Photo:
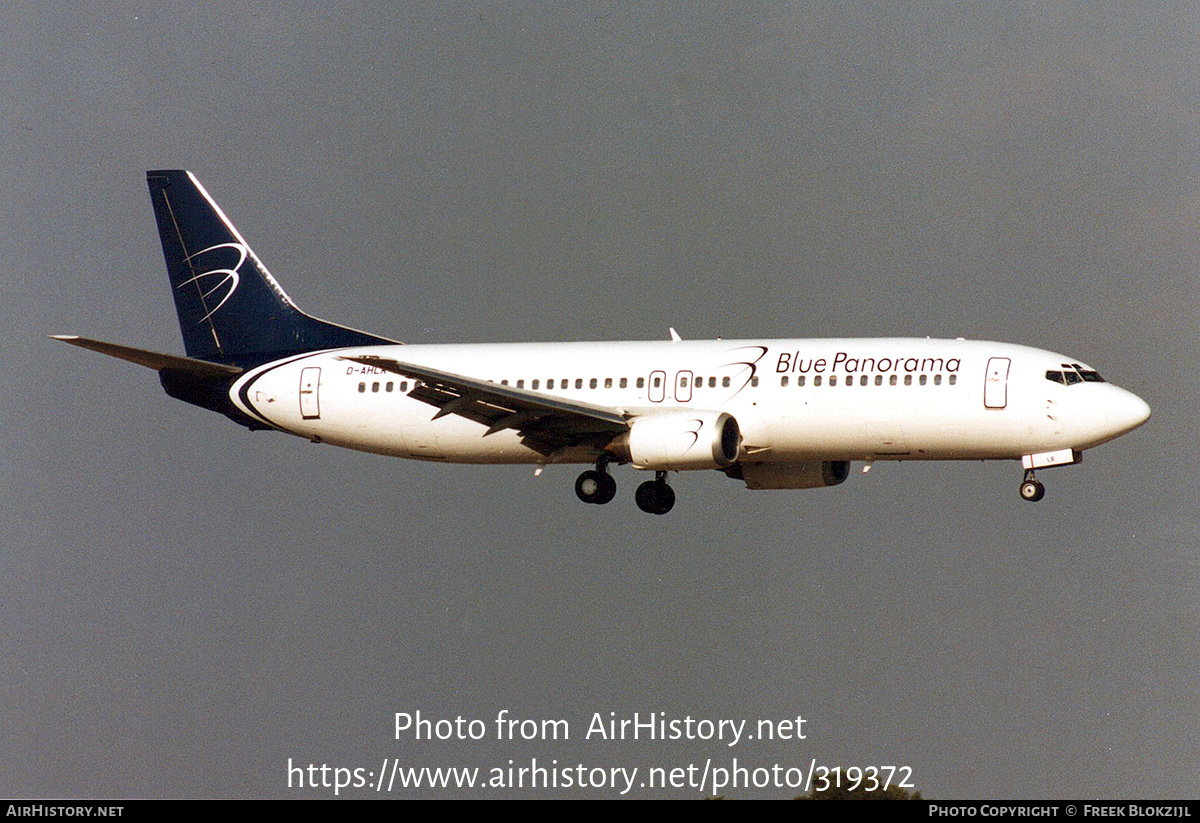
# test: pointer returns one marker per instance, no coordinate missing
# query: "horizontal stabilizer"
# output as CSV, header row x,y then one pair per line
x,y
151,359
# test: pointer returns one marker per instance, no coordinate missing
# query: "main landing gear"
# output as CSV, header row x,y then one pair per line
x,y
597,486
1032,489
655,496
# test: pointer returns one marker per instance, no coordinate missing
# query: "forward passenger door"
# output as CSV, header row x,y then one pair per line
x,y
995,387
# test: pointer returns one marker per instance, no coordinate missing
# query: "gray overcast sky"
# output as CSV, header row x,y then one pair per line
x,y
185,605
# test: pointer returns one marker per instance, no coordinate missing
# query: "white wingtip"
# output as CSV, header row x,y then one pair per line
x,y
675,338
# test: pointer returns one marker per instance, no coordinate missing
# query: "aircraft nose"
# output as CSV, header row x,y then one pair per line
x,y
1127,410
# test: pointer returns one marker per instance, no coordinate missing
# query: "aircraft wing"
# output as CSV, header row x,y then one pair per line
x,y
545,423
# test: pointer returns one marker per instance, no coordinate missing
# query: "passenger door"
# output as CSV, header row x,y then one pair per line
x,y
995,387
310,401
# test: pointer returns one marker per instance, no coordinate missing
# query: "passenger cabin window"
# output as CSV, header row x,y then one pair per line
x,y
724,382
783,380
753,381
641,382
624,382
579,382
800,380
592,383
608,382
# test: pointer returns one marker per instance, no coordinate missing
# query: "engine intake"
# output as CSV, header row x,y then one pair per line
x,y
680,440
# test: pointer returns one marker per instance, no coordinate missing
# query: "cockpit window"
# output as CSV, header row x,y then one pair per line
x,y
1073,373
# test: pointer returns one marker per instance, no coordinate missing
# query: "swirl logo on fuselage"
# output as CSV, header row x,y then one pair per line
x,y
221,281
749,365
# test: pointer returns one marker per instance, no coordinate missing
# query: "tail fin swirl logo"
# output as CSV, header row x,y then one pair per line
x,y
220,281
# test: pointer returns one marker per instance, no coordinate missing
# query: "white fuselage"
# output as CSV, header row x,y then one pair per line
x,y
821,399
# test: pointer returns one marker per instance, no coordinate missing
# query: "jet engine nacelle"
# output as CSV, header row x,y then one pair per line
x,y
807,474
681,440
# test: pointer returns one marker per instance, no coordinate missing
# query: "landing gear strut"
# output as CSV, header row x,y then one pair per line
x,y
655,496
1032,489
596,485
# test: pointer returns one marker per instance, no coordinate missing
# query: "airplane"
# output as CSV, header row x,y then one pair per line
x,y
772,413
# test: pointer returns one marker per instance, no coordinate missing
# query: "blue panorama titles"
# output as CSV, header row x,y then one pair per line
x,y
792,363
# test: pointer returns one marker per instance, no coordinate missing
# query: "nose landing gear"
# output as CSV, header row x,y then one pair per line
x,y
1031,488
655,496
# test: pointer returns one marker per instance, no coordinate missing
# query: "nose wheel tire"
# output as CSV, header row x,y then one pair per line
x,y
595,487
655,497
1032,490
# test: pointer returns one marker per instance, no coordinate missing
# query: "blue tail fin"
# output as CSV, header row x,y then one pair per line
x,y
230,308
